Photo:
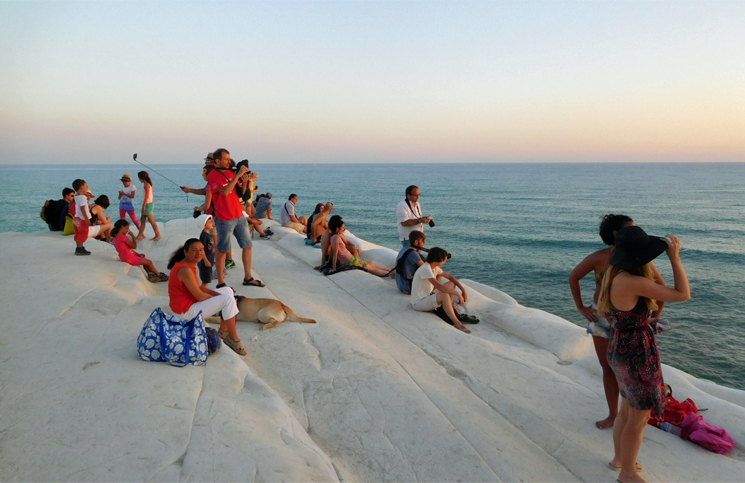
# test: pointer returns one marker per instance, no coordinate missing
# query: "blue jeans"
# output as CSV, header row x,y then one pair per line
x,y
237,227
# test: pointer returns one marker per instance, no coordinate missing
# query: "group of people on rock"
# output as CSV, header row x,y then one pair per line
x,y
86,218
627,302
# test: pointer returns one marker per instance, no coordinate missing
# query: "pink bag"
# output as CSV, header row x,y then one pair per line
x,y
707,435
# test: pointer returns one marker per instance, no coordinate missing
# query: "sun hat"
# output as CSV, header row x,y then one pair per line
x,y
202,220
634,248
89,193
126,178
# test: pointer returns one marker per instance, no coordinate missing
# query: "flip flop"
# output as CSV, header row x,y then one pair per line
x,y
253,282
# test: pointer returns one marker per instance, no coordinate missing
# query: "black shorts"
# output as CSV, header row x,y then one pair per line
x,y
205,273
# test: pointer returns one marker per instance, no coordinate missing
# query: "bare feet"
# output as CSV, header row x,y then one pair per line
x,y
155,239
605,423
140,237
463,328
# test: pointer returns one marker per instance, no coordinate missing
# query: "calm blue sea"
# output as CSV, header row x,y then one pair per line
x,y
518,227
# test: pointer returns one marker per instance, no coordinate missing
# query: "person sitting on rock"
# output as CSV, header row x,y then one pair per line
x,y
317,224
428,294
340,253
187,298
264,206
288,217
409,260
250,213
100,220
326,245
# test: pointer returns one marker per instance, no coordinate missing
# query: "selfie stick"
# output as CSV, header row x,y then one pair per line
x,y
134,157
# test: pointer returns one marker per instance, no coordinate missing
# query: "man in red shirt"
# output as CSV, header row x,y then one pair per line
x,y
229,217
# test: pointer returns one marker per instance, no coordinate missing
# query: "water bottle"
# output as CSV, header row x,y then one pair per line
x,y
671,428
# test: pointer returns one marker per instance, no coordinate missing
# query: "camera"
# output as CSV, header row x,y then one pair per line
x,y
242,191
238,166
431,223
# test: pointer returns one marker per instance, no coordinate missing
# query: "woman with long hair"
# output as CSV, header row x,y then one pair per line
x,y
597,326
628,293
188,298
99,218
340,253
148,206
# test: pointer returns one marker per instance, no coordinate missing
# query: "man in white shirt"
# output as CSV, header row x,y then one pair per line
x,y
409,215
427,293
288,217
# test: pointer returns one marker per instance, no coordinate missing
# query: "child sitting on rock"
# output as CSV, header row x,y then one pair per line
x,y
125,247
429,294
206,224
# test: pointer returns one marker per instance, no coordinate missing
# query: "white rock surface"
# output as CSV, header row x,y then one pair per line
x,y
375,391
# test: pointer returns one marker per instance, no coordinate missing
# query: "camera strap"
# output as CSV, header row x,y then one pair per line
x,y
418,215
220,170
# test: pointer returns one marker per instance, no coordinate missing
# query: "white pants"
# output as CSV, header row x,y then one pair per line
x,y
224,302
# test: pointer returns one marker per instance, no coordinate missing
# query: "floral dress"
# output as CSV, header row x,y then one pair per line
x,y
634,358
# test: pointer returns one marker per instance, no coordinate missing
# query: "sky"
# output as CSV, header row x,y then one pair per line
x,y
366,82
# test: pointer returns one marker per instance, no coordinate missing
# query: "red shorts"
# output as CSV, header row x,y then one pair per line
x,y
81,229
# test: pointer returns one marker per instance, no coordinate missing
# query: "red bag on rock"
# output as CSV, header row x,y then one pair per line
x,y
675,412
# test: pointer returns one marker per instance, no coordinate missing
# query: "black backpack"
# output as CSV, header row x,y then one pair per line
x,y
53,212
401,263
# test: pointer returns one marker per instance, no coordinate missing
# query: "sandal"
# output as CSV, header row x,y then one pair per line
x,y
234,344
163,277
253,282
468,319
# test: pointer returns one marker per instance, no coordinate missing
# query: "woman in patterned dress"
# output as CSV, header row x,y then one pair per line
x,y
628,293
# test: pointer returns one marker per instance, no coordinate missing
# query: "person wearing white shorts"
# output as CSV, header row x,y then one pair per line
x,y
427,293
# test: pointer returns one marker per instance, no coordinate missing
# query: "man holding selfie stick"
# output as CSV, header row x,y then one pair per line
x,y
409,215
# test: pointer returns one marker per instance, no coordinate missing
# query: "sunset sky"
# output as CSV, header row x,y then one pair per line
x,y
328,82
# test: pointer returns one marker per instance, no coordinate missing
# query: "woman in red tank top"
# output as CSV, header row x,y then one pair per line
x,y
188,298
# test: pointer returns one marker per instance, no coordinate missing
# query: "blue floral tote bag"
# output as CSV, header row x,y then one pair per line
x,y
175,341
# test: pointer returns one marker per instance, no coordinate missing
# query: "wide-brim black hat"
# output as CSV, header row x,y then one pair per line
x,y
634,248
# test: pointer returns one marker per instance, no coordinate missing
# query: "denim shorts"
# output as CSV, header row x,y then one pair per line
x,y
601,328
237,227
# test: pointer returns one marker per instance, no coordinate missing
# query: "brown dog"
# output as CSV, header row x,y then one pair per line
x,y
266,311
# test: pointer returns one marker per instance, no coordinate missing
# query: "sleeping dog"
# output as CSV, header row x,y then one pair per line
x,y
266,311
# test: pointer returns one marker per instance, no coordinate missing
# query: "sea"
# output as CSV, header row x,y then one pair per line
x,y
520,228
